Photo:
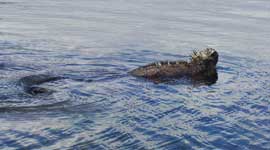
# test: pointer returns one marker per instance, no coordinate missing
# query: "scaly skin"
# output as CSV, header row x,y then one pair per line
x,y
202,66
162,69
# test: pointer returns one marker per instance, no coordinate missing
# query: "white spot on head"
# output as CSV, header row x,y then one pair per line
x,y
203,54
158,64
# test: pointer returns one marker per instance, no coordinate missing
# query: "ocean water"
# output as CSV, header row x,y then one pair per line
x,y
100,106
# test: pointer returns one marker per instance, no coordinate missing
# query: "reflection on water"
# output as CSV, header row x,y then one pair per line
x,y
98,105
118,111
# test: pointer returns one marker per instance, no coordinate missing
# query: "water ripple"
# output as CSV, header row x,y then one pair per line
x,y
99,106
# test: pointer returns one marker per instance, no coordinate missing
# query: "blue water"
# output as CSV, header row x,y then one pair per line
x,y
100,106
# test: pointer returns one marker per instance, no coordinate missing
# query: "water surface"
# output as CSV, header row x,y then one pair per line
x,y
100,106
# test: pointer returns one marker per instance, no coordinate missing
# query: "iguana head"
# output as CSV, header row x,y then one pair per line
x,y
207,57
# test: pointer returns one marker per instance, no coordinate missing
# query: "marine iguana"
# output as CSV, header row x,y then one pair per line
x,y
31,83
200,68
